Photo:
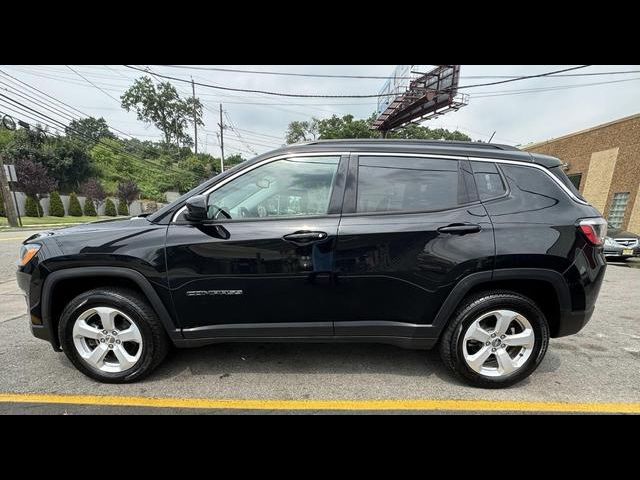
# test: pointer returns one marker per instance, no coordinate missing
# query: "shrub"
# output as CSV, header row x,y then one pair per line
x,y
2,213
32,207
75,210
110,208
56,208
122,208
90,208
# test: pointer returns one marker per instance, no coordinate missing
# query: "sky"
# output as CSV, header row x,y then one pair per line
x,y
257,123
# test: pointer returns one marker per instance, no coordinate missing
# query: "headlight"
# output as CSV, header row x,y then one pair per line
x,y
27,252
608,241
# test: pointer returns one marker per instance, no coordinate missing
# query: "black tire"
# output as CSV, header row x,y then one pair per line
x,y
155,341
472,308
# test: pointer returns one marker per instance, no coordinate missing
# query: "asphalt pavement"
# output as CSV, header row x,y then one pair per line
x,y
596,370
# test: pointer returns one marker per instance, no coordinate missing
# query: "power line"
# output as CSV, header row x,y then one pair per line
x,y
89,81
85,115
374,77
377,95
502,93
280,94
525,77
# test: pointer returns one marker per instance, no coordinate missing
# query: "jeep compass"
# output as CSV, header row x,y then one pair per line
x,y
482,250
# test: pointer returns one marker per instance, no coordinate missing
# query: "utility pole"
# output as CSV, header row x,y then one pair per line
x,y
195,118
8,199
221,125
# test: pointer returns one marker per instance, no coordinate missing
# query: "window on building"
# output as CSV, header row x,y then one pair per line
x,y
575,178
618,209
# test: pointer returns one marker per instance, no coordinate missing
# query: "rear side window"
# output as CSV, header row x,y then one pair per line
x,y
395,184
488,180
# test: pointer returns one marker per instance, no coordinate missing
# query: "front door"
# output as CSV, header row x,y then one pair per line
x,y
263,266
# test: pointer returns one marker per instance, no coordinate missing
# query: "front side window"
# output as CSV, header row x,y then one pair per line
x,y
394,184
283,188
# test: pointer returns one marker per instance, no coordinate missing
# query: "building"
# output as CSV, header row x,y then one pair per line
x,y
604,163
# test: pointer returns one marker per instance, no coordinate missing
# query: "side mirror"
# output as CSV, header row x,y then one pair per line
x,y
197,209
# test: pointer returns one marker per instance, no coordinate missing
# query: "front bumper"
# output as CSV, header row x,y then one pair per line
x,y
620,252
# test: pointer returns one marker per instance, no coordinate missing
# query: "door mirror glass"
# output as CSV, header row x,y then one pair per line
x,y
196,209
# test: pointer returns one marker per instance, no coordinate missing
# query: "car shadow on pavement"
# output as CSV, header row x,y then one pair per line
x,y
227,360
299,358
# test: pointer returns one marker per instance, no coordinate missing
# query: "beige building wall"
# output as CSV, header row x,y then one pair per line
x,y
599,176
634,218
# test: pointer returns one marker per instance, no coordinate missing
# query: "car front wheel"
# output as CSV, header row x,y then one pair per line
x,y
112,335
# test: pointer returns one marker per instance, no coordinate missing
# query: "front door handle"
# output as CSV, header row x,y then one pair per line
x,y
460,228
304,237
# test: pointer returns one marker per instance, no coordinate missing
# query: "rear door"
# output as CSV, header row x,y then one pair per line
x,y
412,227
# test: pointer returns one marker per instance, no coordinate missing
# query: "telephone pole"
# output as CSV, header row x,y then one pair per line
x,y
195,118
221,125
6,196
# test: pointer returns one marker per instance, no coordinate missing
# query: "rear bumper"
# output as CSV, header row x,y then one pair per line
x,y
573,322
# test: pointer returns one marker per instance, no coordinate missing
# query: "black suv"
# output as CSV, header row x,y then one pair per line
x,y
481,249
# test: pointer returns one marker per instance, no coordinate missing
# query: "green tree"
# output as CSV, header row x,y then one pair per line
x,y
75,209
417,132
88,130
347,127
68,161
161,106
90,208
302,131
56,208
110,208
32,207
123,209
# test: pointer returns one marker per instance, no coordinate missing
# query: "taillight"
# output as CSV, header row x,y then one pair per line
x,y
594,229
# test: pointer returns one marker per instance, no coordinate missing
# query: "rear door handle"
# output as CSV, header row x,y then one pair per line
x,y
460,228
304,238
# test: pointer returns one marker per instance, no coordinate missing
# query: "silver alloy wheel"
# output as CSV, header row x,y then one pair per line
x,y
107,339
498,343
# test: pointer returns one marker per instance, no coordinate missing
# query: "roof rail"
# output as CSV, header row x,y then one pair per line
x,y
453,143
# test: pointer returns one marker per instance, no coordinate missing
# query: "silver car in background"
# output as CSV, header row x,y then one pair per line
x,y
620,244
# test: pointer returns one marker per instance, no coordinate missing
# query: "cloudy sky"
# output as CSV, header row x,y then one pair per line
x,y
519,112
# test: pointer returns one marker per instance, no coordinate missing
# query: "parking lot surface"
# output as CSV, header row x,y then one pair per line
x,y
597,370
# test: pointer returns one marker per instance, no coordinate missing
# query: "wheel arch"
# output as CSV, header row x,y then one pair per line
x,y
547,288
81,279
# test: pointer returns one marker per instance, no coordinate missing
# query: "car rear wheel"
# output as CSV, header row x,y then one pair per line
x,y
495,339
112,335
